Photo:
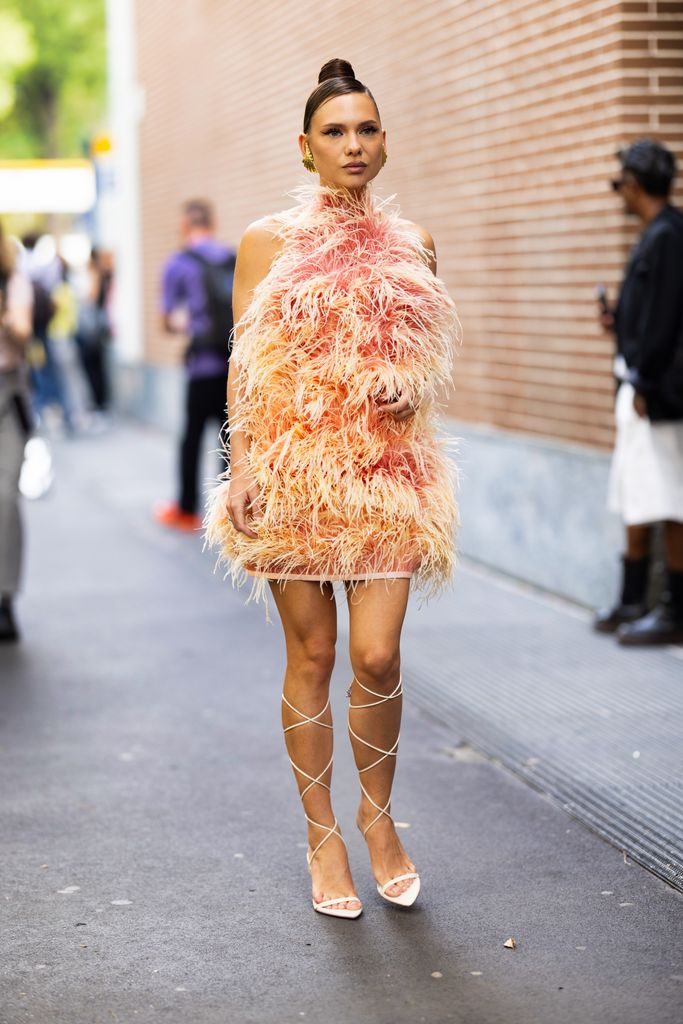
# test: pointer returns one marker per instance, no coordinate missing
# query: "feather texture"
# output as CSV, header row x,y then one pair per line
x,y
349,314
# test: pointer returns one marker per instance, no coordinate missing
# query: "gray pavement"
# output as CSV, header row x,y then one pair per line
x,y
596,725
152,843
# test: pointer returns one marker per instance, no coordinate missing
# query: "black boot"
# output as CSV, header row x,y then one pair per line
x,y
632,603
664,624
8,625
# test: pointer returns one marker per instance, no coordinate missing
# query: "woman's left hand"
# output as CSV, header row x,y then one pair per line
x,y
401,408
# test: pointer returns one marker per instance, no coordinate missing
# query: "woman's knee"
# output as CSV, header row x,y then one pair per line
x,y
314,654
377,662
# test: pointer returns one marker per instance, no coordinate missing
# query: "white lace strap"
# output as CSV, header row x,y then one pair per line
x,y
338,899
307,719
396,692
314,781
384,754
317,780
330,830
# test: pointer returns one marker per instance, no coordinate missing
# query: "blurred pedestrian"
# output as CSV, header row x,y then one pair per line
x,y
93,331
646,479
61,332
15,333
46,380
344,337
196,300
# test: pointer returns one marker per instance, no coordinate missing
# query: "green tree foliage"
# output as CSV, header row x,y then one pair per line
x,y
52,76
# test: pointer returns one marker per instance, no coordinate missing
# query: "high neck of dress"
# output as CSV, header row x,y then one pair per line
x,y
348,202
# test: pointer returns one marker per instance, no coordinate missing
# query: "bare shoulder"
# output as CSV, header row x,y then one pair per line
x,y
261,235
425,238
258,248
266,231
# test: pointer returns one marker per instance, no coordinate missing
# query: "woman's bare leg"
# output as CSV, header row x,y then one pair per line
x,y
376,613
309,620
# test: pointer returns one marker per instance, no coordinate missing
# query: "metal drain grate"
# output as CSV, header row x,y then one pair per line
x,y
595,726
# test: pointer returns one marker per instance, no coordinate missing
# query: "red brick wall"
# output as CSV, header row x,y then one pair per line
x,y
502,120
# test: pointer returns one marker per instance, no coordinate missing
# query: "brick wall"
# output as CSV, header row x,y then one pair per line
x,y
502,119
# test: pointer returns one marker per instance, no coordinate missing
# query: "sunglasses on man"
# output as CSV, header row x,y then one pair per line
x,y
618,183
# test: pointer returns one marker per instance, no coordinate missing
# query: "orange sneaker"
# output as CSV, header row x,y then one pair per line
x,y
172,515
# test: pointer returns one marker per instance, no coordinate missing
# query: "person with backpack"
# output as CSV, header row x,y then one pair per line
x,y
196,299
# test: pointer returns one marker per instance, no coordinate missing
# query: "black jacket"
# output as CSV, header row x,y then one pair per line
x,y
649,315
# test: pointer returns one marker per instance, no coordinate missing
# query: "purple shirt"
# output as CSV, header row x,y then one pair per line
x,y
183,286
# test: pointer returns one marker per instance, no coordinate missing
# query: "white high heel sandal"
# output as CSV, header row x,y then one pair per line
x,y
329,907
409,895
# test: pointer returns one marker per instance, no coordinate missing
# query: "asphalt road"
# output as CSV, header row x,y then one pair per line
x,y
152,842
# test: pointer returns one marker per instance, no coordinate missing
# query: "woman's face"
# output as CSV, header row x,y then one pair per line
x,y
346,140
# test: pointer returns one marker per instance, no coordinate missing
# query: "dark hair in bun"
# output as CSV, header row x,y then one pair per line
x,y
336,78
336,68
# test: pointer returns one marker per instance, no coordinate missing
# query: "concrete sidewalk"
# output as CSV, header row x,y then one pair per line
x,y
153,844
597,726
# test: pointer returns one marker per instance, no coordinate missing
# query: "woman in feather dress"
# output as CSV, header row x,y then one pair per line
x,y
343,339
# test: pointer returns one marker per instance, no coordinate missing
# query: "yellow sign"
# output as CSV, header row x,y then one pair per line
x,y
100,144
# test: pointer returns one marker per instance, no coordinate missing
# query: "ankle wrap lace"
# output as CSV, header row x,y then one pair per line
x,y
392,752
330,830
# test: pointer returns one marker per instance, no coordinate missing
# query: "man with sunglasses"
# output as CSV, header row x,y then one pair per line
x,y
646,477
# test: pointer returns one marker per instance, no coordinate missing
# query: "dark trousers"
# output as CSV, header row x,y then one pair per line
x,y
94,362
48,381
205,400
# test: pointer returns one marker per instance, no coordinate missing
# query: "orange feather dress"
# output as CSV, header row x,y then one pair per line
x,y
348,315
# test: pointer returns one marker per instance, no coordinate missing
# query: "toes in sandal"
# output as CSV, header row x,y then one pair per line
x,y
406,898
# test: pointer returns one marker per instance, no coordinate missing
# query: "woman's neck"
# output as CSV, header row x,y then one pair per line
x,y
342,197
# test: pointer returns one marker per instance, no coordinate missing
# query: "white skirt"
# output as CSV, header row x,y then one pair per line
x,y
646,475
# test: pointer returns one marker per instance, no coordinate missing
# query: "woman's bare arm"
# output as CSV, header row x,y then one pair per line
x,y
257,250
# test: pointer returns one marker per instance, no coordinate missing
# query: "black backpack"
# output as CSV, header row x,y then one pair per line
x,y
217,278
44,308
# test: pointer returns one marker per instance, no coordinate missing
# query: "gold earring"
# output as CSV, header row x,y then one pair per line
x,y
307,159
384,156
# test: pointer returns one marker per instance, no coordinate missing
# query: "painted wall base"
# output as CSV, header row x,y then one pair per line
x,y
536,509
154,394
532,508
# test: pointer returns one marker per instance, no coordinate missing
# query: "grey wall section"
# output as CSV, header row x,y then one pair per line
x,y
153,394
532,508
536,509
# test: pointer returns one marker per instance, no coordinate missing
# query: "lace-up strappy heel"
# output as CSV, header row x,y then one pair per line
x,y
329,907
408,897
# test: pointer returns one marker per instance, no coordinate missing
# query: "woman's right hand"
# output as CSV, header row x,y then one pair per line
x,y
243,498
